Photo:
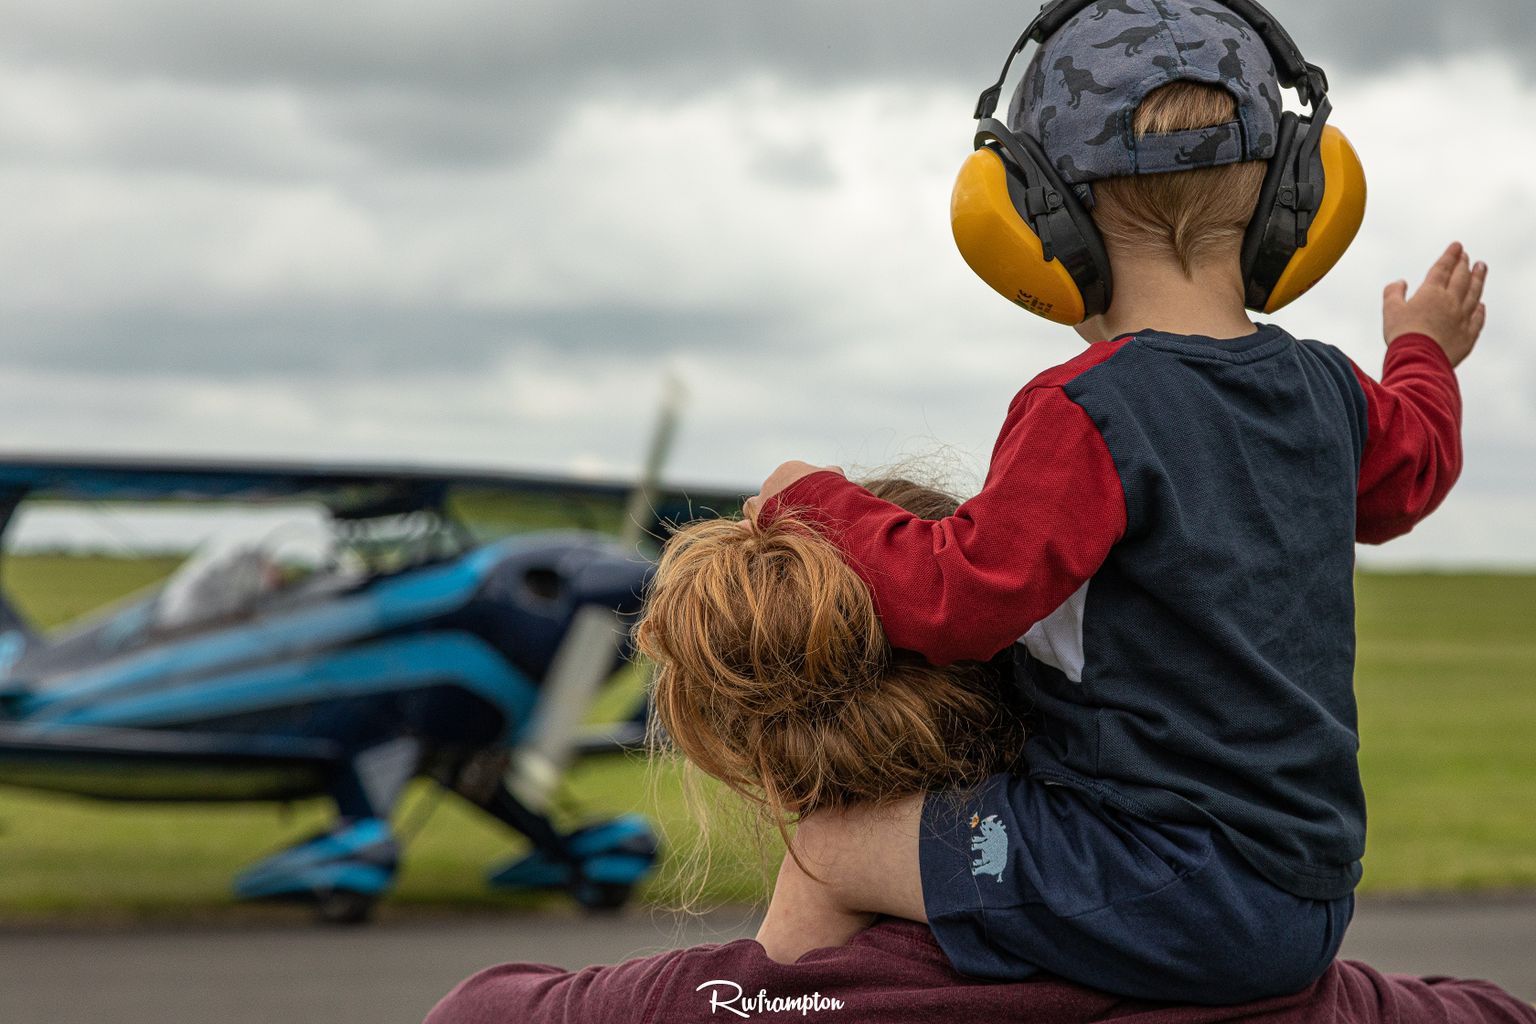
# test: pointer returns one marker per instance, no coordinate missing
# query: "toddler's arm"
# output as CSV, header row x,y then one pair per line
x,y
967,586
1412,451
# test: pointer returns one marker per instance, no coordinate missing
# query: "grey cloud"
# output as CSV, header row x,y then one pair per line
x,y
295,338
473,45
442,130
467,82
1502,466
202,146
805,165
332,133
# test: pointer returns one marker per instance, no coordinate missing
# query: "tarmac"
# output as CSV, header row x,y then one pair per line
x,y
396,969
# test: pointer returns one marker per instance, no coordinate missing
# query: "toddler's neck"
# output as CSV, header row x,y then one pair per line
x,y
1156,294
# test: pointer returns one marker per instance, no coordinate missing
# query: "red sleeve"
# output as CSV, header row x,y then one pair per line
x,y
1413,439
968,586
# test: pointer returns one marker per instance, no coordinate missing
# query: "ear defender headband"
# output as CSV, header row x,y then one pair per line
x,y
1023,229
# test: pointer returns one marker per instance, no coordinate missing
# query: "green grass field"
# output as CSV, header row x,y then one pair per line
x,y
1447,685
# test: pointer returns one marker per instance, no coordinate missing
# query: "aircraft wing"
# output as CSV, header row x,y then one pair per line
x,y
356,491
144,764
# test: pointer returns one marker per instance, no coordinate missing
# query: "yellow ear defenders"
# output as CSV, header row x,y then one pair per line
x,y
1025,232
1309,210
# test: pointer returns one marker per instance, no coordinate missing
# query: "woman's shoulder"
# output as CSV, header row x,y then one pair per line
x,y
895,971
856,982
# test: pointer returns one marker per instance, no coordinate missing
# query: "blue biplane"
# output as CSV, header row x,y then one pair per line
x,y
410,648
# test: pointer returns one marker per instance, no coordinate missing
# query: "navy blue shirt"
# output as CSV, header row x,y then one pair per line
x,y
1219,681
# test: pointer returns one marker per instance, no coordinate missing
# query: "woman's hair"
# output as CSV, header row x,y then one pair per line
x,y
1192,215
774,676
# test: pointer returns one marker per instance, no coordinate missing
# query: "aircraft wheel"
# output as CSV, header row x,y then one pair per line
x,y
603,896
345,907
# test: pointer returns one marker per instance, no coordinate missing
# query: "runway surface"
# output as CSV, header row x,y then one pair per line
x,y
396,969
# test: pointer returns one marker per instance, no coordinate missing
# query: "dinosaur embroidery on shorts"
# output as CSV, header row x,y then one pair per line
x,y
992,845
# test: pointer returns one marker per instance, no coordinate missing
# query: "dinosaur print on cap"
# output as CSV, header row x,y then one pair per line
x,y
1087,80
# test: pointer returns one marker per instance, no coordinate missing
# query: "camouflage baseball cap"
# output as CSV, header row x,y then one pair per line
x,y
1080,92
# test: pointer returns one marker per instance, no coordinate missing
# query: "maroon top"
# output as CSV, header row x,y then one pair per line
x,y
893,973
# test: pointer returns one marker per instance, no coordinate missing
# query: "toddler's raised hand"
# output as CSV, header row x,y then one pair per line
x,y
1448,306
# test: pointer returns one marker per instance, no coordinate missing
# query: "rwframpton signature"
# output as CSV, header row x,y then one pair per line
x,y
743,1005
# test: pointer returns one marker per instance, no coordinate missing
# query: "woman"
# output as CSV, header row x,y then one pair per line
x,y
774,676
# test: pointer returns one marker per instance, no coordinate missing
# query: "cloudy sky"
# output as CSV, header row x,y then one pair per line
x,y
485,232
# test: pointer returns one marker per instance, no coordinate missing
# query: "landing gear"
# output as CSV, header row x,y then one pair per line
x,y
599,865
600,898
345,907
343,871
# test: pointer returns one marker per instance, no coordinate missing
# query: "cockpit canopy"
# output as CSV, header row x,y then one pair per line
x,y
228,579
304,557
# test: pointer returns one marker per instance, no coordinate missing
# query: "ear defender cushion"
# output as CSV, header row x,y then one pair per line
x,y
988,214
1335,224
1277,268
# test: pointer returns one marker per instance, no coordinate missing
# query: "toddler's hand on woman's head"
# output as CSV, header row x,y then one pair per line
x,y
1448,306
787,474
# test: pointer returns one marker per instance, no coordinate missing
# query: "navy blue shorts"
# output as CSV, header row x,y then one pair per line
x,y
1022,876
